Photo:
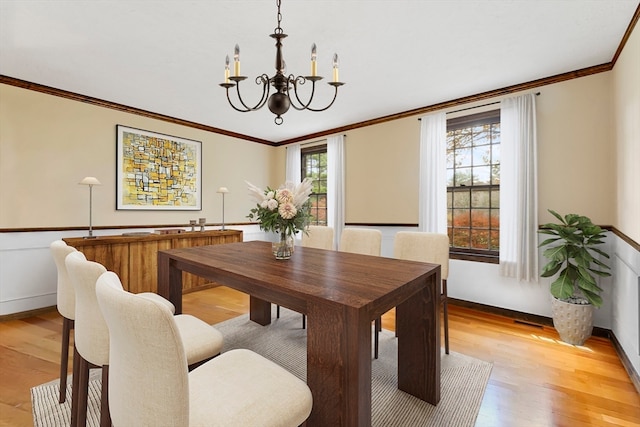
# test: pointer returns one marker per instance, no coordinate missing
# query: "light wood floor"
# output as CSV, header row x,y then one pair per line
x,y
536,379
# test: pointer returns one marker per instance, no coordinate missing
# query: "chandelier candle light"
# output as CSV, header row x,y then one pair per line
x,y
90,181
284,211
223,191
279,101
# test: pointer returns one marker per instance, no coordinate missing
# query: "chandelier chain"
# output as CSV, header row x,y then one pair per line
x,y
278,30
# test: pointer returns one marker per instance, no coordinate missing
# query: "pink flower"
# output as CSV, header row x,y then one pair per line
x,y
287,210
284,195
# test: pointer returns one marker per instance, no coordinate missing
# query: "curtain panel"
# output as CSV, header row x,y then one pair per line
x,y
518,189
335,186
432,198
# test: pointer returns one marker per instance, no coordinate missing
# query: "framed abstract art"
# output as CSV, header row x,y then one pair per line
x,y
157,171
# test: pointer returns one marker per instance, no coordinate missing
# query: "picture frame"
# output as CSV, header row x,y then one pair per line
x,y
157,171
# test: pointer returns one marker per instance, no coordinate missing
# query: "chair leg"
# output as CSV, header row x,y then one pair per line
x,y
67,325
277,311
304,321
105,414
75,386
445,310
83,392
377,326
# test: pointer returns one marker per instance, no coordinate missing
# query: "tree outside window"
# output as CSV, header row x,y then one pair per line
x,y
314,166
473,183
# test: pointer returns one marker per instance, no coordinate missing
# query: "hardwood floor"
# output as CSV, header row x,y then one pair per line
x,y
536,379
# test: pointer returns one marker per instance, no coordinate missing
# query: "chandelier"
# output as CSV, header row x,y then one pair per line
x,y
283,97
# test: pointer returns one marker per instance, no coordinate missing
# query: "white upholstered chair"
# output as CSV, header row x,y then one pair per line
x,y
318,236
150,384
202,342
363,241
434,249
66,304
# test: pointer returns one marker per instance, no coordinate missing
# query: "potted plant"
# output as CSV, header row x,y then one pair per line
x,y
572,254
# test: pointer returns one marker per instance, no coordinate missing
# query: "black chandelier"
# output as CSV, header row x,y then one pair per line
x,y
279,101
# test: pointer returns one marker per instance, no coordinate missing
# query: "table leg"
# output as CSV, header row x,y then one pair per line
x,y
259,310
169,281
418,327
339,366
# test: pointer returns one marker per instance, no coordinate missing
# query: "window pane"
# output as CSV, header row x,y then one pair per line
x,y
482,155
480,239
480,199
495,198
480,218
450,182
495,218
463,157
494,243
461,218
462,177
481,135
461,199
461,237
482,175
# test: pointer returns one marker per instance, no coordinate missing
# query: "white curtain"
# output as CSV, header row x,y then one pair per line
x,y
518,189
432,198
293,167
335,185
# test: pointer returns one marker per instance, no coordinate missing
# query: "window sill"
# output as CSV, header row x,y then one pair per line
x,y
465,256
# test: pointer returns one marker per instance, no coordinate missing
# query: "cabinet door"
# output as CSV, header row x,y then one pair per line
x,y
143,262
114,257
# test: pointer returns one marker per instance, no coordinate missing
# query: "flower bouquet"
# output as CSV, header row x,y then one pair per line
x,y
285,211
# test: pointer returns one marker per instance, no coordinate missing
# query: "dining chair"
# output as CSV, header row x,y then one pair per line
x,y
151,386
319,237
202,342
363,241
432,248
66,304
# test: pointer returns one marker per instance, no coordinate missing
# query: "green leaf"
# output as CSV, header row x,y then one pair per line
x,y
593,298
562,287
550,269
548,241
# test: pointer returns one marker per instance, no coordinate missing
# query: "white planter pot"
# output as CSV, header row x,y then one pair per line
x,y
574,322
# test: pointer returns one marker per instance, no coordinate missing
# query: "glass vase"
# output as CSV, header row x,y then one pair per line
x,y
283,249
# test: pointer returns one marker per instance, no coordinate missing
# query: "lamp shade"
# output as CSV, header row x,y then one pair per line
x,y
90,180
223,190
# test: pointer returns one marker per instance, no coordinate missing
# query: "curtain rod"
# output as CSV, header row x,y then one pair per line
x,y
477,106
317,141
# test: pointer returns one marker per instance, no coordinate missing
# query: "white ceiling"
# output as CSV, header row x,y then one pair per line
x,y
167,56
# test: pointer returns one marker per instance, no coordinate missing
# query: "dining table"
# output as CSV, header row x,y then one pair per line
x,y
341,294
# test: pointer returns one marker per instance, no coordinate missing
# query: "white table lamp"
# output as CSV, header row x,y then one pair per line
x,y
90,181
223,191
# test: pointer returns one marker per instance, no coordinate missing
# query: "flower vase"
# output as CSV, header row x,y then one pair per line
x,y
283,248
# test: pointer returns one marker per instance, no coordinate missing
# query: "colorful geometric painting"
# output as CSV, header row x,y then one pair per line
x,y
157,171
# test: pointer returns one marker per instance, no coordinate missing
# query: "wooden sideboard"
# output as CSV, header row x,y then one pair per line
x,y
134,257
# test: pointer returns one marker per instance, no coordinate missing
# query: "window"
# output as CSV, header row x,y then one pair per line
x,y
473,183
314,166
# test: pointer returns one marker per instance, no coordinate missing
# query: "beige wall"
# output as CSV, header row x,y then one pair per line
x,y
626,89
48,144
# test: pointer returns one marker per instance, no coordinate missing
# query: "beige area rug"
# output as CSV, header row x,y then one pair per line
x,y
463,380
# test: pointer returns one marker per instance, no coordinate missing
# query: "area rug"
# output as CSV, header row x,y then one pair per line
x,y
463,378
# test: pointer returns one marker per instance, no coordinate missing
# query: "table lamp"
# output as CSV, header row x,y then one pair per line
x,y
90,181
223,191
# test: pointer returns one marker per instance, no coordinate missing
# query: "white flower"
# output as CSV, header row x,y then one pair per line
x,y
272,204
287,210
271,194
264,204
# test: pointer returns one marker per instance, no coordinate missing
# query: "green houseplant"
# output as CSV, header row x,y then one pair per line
x,y
571,254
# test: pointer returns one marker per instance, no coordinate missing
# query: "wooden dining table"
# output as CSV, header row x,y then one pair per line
x,y
341,294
